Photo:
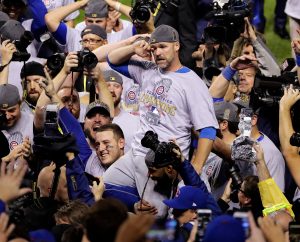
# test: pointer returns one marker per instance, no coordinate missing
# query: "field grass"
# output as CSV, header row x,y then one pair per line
x,y
280,48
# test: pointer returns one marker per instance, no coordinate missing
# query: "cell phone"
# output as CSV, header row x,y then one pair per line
x,y
204,216
294,232
91,178
243,218
163,229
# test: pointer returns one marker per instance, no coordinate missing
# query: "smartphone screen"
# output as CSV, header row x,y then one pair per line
x,y
204,216
163,230
294,232
243,218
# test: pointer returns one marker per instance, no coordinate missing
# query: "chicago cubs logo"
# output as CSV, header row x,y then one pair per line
x,y
160,90
163,86
131,95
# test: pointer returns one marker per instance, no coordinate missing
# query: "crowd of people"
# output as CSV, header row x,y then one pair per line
x,y
177,124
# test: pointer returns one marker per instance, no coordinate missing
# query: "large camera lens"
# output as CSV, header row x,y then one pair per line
x,y
142,14
150,140
89,60
56,61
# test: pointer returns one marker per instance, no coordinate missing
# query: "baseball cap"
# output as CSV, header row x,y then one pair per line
x,y
32,68
98,105
96,9
224,228
164,33
41,235
94,29
9,96
226,111
188,197
112,76
3,18
12,30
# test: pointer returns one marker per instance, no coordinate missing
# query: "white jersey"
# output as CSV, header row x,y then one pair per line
x,y
73,40
22,129
292,8
53,4
129,124
93,165
171,103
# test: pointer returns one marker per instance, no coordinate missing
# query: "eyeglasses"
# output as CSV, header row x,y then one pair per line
x,y
90,41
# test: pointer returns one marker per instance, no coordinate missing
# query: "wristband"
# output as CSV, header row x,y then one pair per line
x,y
298,60
228,73
117,6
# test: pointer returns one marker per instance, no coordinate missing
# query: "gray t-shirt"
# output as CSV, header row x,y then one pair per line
x,y
93,165
23,128
130,124
171,103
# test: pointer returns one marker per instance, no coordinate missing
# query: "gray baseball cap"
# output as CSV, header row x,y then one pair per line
x,y
9,96
94,29
164,33
101,107
96,9
12,30
112,76
226,111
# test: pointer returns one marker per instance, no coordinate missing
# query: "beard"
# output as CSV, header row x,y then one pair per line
x,y
164,186
117,102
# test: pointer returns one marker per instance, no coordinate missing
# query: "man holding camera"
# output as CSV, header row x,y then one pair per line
x,y
286,131
167,106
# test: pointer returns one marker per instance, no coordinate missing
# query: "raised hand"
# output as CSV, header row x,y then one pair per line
x,y
10,181
7,49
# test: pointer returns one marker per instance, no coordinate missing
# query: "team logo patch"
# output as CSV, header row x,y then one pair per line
x,y
15,139
131,95
160,90
163,86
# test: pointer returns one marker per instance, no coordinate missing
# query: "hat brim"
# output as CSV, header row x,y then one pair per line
x,y
175,203
100,110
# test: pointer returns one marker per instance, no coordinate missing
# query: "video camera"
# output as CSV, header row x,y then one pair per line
x,y
86,59
237,180
227,21
164,154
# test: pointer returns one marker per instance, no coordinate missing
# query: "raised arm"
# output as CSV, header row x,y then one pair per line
x,y
286,130
219,86
122,8
71,61
54,18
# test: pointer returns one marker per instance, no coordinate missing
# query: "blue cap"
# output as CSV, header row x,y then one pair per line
x,y
188,197
41,235
224,228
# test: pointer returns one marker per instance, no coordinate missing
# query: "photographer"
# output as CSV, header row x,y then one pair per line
x,y
168,172
286,131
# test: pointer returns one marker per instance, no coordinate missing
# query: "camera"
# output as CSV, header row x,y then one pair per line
x,y
204,216
163,229
56,62
244,220
51,121
164,154
295,139
231,17
3,120
142,9
86,59
21,45
237,180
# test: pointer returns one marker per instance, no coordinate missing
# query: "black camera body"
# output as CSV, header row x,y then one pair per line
x,y
237,180
227,21
86,59
164,154
21,45
142,9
